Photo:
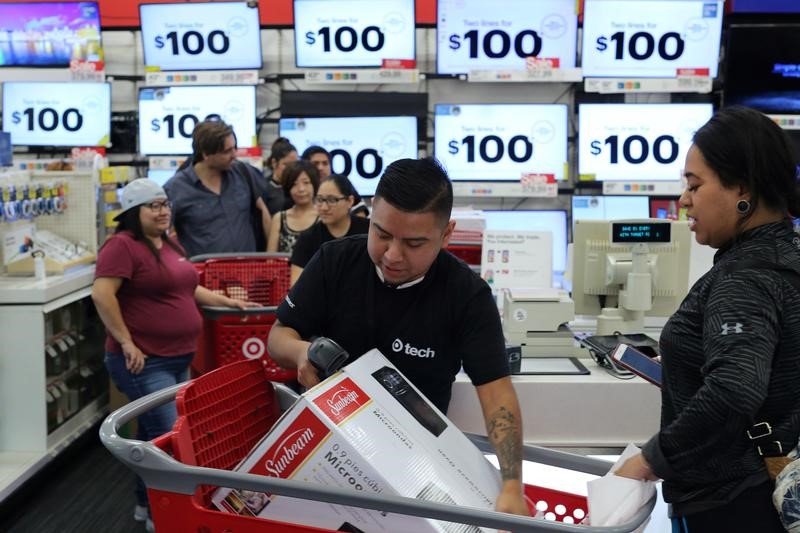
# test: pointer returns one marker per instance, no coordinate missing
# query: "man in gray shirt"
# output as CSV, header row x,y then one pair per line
x,y
212,199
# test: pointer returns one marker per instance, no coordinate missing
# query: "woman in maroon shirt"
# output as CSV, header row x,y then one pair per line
x,y
146,293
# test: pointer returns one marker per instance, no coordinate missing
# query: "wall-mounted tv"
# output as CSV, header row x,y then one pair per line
x,y
635,142
651,39
201,36
168,115
361,147
57,113
49,34
353,33
765,76
501,142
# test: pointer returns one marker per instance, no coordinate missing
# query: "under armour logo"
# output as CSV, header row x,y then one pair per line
x,y
735,328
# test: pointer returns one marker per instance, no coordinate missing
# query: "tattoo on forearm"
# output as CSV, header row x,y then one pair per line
x,y
503,431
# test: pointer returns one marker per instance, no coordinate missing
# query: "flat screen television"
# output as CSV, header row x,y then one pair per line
x,y
609,208
651,39
168,115
499,35
361,147
554,221
767,76
765,6
501,142
49,34
353,33
57,113
636,142
201,36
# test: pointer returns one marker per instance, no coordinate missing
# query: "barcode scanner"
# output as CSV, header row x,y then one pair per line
x,y
326,356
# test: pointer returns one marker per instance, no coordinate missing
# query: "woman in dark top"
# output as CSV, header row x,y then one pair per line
x,y
731,352
300,183
334,200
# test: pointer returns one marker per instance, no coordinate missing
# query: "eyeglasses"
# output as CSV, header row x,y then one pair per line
x,y
158,206
329,200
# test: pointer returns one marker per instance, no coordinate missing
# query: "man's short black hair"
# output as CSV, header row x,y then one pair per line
x,y
417,186
313,150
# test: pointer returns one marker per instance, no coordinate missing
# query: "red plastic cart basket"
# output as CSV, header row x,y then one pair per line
x,y
469,253
231,335
225,412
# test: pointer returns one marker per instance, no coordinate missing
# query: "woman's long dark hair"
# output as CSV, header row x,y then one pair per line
x,y
129,221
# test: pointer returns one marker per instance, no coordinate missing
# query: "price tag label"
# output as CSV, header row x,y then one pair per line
x,y
657,38
353,33
361,147
501,142
630,142
539,185
56,113
168,115
201,36
481,35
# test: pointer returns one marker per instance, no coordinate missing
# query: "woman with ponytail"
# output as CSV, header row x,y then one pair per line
x,y
731,353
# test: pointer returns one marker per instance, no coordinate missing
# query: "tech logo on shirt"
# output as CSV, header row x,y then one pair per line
x,y
424,353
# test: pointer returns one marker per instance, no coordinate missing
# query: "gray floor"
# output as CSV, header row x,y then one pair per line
x,y
85,491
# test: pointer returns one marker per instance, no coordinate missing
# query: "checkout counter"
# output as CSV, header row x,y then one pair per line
x,y
597,409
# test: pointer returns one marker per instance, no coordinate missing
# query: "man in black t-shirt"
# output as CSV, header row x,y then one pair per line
x,y
398,290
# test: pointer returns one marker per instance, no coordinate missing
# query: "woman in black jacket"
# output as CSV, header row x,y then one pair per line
x,y
731,353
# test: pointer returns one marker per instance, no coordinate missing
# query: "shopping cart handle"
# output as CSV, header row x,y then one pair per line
x,y
227,255
213,311
550,457
160,471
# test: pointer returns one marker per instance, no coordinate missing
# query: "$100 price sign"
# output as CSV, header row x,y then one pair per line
x,y
57,114
201,36
353,33
501,142
635,142
476,34
651,39
168,115
361,147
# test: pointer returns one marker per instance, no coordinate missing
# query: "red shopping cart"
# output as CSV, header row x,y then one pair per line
x,y
232,334
222,415
469,253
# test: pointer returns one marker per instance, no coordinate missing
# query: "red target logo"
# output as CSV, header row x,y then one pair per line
x,y
253,348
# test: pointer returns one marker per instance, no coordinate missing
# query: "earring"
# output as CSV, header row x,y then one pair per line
x,y
743,207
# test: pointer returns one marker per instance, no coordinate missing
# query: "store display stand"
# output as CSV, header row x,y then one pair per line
x,y
53,387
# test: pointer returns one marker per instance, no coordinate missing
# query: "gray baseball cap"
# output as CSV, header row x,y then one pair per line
x,y
140,191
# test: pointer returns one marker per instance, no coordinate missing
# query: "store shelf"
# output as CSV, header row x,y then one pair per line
x,y
27,290
32,314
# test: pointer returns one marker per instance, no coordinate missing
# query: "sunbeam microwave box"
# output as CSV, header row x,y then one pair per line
x,y
366,428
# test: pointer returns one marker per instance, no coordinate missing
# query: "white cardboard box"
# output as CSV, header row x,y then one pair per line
x,y
366,428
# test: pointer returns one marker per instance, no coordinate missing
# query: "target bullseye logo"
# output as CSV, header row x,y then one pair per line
x,y
253,348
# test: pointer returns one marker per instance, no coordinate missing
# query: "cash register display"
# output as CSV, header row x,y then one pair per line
x,y
644,232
